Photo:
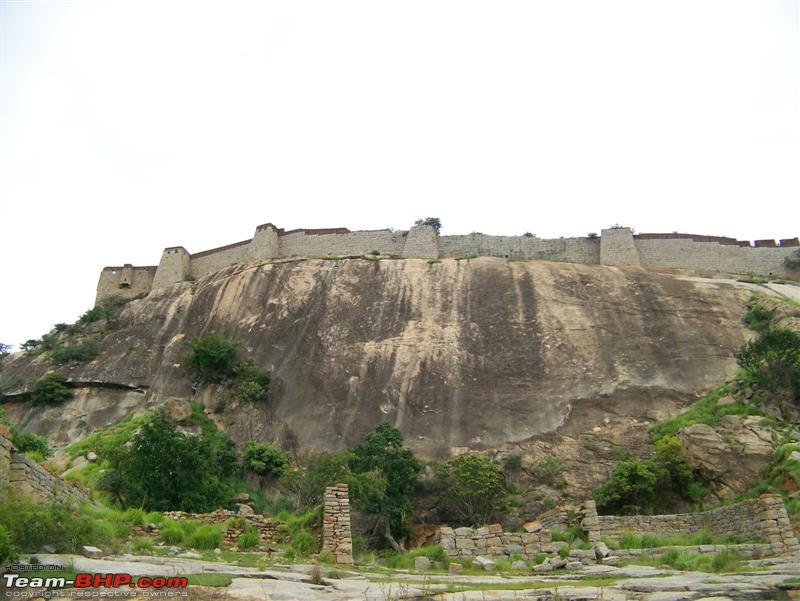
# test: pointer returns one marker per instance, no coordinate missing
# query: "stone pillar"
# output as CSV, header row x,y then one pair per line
x,y
336,537
174,267
589,521
421,243
775,523
617,247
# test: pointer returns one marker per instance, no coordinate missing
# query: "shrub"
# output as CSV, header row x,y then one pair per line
x,y
773,360
76,353
320,470
264,459
212,358
473,486
8,552
547,468
513,463
172,534
249,539
51,388
252,384
757,316
792,262
632,488
27,442
207,536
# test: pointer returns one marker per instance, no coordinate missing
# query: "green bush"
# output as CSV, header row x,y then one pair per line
x,y
547,468
252,383
757,316
513,463
434,222
207,536
51,388
28,442
75,353
264,459
8,551
172,534
249,539
473,486
773,361
212,358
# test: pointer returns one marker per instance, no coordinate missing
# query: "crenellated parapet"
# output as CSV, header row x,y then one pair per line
x,y
616,246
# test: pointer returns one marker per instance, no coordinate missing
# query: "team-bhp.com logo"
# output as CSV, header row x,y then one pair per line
x,y
87,585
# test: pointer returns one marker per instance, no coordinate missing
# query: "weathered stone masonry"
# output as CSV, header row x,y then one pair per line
x,y
336,537
615,246
24,476
763,519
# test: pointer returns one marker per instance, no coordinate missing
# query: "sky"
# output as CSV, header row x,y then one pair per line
x,y
129,126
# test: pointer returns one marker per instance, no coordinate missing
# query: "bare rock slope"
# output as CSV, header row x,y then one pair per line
x,y
480,353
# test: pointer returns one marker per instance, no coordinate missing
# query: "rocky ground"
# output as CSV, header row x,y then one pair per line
x,y
775,578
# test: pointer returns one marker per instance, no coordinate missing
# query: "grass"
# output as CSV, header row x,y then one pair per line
x,y
214,580
703,411
724,561
631,540
405,561
104,441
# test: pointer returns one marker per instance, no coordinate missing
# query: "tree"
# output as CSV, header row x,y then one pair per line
x,y
161,469
320,470
383,454
212,358
264,459
632,488
434,222
473,486
5,351
773,360
51,388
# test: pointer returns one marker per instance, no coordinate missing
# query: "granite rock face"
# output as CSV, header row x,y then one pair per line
x,y
458,354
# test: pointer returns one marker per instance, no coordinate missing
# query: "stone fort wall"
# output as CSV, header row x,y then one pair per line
x,y
25,477
615,246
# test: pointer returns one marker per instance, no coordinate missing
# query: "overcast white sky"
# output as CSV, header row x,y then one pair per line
x,y
129,126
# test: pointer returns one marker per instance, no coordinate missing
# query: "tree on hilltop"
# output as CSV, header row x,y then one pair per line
x,y
434,222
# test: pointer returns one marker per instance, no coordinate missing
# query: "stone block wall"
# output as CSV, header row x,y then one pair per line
x,y
24,476
764,519
267,529
616,246
491,541
126,281
336,537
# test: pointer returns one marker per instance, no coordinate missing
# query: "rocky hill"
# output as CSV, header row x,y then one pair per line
x,y
480,353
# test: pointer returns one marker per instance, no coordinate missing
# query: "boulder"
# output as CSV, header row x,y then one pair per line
x,y
732,454
574,565
91,552
519,565
191,554
601,550
422,564
543,567
177,409
91,456
241,497
243,509
533,526
454,568
484,562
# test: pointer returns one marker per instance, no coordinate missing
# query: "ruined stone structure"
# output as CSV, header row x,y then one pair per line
x,y
24,476
762,521
615,246
336,537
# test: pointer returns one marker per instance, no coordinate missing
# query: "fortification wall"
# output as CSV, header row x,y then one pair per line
x,y
615,246
571,250
210,261
27,478
302,244
126,281
686,253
